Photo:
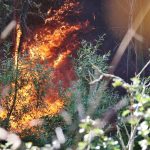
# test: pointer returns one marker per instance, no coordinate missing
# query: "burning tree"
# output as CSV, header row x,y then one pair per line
x,y
40,61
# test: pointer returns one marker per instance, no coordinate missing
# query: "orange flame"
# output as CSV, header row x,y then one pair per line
x,y
18,36
53,45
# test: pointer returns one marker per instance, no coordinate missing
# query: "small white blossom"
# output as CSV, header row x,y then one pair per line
x,y
89,137
86,137
97,147
81,130
104,145
14,140
56,144
144,125
93,123
115,142
35,148
3,134
138,114
106,138
143,144
110,138
28,145
88,119
48,145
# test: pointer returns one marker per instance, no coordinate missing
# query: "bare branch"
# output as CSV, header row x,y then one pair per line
x,y
102,75
147,64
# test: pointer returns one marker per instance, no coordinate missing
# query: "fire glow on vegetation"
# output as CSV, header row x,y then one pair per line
x,y
18,36
49,45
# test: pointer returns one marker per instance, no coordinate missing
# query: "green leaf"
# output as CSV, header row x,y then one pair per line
x,y
28,145
136,81
125,113
82,145
117,83
133,120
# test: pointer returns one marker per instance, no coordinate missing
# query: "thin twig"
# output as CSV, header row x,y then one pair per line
x,y
121,139
132,137
126,129
104,75
146,86
147,64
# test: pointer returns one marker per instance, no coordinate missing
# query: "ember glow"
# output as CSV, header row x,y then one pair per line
x,y
48,45
18,36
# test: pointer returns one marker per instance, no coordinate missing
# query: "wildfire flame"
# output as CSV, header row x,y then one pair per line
x,y
49,45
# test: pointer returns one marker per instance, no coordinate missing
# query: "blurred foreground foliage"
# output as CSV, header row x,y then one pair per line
x,y
95,116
